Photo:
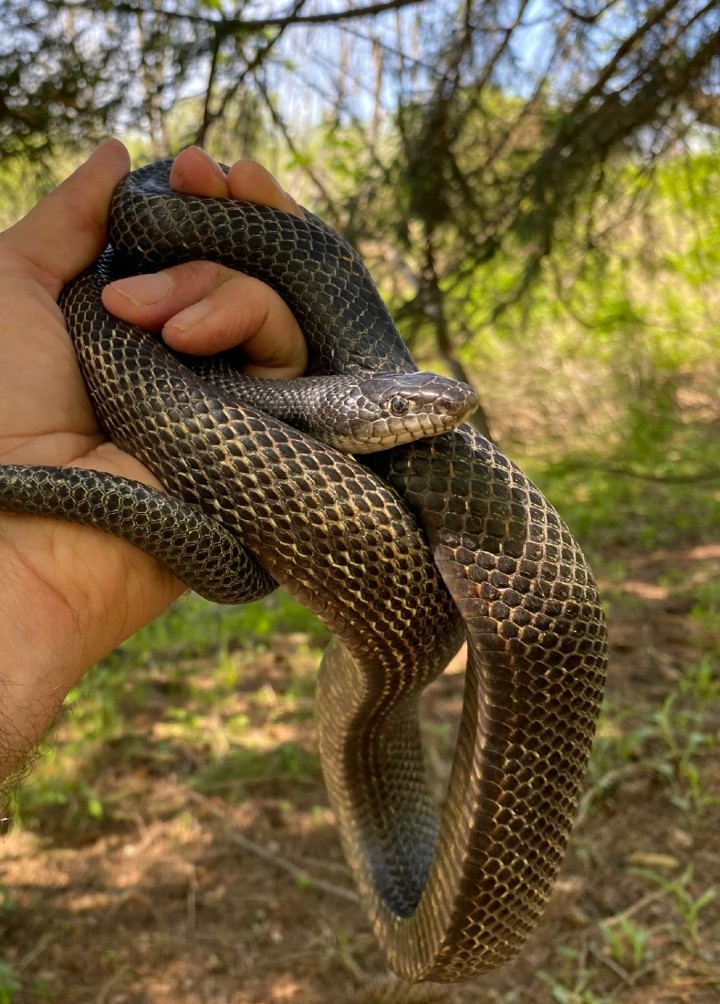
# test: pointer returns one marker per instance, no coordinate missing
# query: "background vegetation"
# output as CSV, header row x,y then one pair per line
x,y
536,188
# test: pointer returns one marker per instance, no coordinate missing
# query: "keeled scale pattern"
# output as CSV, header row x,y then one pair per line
x,y
205,556
452,894
535,678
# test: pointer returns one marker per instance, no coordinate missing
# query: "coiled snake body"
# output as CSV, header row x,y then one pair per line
x,y
452,893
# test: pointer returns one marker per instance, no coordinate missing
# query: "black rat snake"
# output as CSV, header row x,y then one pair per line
x,y
451,893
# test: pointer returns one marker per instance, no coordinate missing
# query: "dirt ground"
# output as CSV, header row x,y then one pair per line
x,y
176,894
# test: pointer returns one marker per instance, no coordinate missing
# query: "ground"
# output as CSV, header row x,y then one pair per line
x,y
177,845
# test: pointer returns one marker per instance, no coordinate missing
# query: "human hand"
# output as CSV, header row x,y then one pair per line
x,y
70,593
205,308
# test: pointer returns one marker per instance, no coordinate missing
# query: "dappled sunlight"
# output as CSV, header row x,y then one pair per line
x,y
205,870
535,187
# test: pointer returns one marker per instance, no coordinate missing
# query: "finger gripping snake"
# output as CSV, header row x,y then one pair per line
x,y
428,544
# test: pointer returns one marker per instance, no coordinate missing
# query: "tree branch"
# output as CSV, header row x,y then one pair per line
x,y
236,26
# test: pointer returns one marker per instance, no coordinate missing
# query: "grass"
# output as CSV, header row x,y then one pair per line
x,y
628,949
656,747
176,695
674,741
640,497
220,700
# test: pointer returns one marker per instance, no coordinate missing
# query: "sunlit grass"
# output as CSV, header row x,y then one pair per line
x,y
186,689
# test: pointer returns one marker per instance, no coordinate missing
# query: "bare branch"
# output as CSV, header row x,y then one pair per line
x,y
235,26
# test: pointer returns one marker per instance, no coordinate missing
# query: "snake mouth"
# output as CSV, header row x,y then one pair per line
x,y
460,401
431,402
432,394
393,409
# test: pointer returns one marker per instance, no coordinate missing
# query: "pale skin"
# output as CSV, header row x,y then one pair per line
x,y
71,594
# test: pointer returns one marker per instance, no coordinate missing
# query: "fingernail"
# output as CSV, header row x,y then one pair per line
x,y
214,181
203,153
191,316
297,208
143,290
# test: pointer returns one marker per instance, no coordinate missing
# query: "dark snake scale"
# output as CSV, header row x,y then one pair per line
x,y
402,557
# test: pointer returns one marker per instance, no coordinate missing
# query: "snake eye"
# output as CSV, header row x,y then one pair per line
x,y
399,405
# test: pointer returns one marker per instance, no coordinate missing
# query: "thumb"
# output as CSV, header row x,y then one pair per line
x,y
67,229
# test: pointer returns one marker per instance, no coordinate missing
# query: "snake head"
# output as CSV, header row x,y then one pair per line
x,y
390,409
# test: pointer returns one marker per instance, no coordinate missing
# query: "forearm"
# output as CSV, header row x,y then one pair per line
x,y
70,595
38,659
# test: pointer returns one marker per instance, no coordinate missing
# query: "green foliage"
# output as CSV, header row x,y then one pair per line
x,y
627,943
243,768
189,678
63,793
607,349
576,986
683,734
598,358
628,497
21,185
676,741
9,984
194,627
688,907
7,903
